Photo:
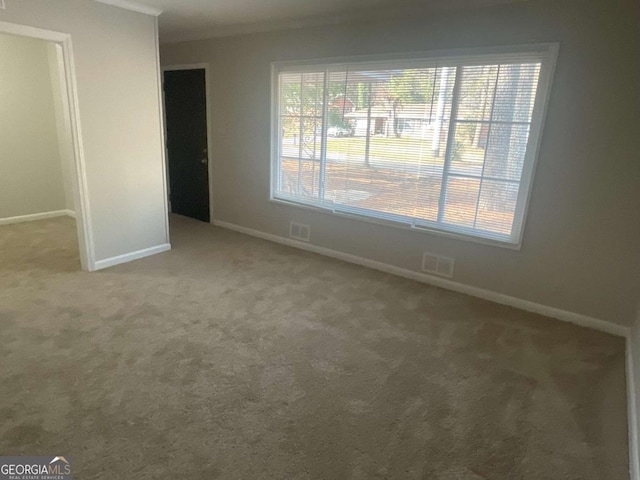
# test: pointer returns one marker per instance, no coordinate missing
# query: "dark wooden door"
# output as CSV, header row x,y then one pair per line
x,y
185,100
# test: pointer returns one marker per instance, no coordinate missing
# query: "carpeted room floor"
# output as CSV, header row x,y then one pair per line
x,y
234,358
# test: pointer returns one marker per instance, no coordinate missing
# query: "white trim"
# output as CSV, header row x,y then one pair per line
x,y
33,32
448,56
394,224
538,120
633,365
208,96
557,313
34,217
163,134
545,53
128,257
275,129
70,213
185,66
79,177
133,6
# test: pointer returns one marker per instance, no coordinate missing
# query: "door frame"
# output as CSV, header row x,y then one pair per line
x,y
86,245
207,87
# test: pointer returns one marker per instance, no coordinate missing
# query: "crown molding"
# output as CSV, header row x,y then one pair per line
x,y
133,6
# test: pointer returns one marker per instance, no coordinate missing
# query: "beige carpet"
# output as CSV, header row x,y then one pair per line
x,y
234,358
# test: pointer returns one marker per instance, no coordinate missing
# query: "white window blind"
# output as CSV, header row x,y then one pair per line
x,y
440,143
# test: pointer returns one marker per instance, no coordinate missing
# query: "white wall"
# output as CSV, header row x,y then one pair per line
x,y
583,230
31,178
115,52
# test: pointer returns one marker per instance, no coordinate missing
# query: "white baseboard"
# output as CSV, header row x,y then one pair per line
x,y
496,297
70,213
33,217
128,257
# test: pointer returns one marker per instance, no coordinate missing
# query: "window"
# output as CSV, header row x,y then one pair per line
x,y
444,143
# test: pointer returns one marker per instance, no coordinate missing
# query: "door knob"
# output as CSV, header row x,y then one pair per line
x,y
204,161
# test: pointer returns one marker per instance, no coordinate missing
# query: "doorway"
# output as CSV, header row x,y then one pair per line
x,y
43,159
187,133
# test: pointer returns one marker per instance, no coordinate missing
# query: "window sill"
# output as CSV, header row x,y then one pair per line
x,y
399,225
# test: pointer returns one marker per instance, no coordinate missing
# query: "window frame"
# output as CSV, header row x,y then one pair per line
x,y
547,54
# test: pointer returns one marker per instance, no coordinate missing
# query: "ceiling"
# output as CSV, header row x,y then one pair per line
x,y
198,19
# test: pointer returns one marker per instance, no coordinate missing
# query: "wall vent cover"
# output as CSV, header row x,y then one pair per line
x,y
437,264
300,231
